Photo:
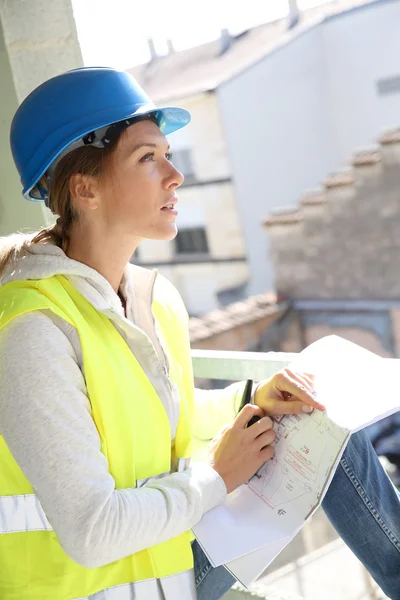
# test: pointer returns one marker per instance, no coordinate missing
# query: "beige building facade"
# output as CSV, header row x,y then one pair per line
x,y
207,261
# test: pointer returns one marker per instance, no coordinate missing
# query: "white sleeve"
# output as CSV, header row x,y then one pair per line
x,y
46,422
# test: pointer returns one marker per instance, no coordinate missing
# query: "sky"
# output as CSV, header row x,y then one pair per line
x,y
115,33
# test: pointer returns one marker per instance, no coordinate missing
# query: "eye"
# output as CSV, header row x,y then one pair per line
x,y
147,157
168,156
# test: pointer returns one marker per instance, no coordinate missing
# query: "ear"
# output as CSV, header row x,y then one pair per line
x,y
83,188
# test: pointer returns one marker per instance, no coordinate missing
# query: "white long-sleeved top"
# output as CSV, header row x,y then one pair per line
x,y
45,419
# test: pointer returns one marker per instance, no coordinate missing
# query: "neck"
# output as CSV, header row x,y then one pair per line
x,y
105,253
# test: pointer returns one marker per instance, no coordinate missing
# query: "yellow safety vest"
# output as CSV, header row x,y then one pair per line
x,y
135,437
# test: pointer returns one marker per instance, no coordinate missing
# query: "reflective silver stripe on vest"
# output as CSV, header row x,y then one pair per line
x,y
22,513
25,513
175,587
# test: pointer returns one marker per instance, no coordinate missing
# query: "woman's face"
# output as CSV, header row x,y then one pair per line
x,y
138,194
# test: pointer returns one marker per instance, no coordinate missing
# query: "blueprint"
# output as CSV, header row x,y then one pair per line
x,y
306,449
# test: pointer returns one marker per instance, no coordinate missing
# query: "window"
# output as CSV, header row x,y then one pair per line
x,y
390,85
182,160
191,241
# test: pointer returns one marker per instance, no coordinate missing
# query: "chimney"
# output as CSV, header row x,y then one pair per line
x,y
152,48
170,47
226,41
294,14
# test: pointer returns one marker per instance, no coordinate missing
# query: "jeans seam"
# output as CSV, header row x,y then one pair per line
x,y
365,498
203,574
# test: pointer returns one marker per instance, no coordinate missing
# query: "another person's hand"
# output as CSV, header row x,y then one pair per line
x,y
287,392
238,451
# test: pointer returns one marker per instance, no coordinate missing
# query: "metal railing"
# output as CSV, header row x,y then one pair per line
x,y
237,366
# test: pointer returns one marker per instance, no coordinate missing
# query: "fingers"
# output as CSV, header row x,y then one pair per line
x,y
301,378
266,454
260,427
290,407
296,385
248,412
304,379
265,439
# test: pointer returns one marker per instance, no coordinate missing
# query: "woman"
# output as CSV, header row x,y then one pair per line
x,y
97,406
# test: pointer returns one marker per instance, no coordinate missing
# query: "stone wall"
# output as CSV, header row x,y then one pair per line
x,y
343,241
337,255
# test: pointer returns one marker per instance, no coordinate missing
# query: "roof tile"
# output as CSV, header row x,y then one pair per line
x,y
238,313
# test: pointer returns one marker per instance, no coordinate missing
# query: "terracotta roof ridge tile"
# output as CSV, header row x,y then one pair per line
x,y
235,314
366,157
284,217
342,178
390,137
313,197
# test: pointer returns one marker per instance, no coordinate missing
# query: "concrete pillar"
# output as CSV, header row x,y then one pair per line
x,y
37,40
15,212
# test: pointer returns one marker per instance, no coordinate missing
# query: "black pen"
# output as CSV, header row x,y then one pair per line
x,y
247,400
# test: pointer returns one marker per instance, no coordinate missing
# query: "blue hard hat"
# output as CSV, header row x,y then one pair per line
x,y
74,109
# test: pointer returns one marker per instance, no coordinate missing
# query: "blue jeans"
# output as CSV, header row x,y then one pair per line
x,y
364,508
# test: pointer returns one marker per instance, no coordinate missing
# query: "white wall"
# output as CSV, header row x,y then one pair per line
x,y
361,48
300,112
276,122
213,206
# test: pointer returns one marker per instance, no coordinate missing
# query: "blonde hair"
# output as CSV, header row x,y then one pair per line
x,y
87,160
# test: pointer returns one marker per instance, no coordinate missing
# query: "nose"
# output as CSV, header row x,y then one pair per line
x,y
174,178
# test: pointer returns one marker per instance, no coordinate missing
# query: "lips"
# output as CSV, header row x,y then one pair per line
x,y
171,204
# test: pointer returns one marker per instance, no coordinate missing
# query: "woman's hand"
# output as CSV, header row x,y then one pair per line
x,y
238,451
287,393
